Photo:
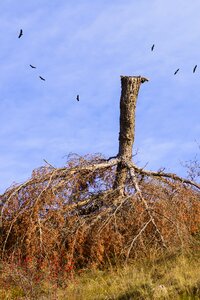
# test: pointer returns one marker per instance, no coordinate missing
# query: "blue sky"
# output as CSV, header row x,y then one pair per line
x,y
82,47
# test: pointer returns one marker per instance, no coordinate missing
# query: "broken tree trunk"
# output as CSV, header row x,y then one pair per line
x,y
130,88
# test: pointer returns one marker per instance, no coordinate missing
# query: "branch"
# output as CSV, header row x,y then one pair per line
x,y
162,174
138,191
49,164
55,174
135,238
63,172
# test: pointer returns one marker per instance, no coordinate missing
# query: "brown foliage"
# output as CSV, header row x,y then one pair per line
x,y
72,218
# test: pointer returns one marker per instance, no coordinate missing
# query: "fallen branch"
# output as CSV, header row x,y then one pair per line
x,y
138,191
162,174
59,173
135,238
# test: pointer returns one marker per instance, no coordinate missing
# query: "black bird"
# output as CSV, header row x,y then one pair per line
x,y
42,78
20,34
176,72
152,47
77,97
194,69
32,67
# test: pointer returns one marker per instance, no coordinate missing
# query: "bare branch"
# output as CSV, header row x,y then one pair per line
x,y
138,191
58,173
135,238
49,164
163,174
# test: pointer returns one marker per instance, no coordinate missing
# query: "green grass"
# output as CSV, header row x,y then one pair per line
x,y
169,278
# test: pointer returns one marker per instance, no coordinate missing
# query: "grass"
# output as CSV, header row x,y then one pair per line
x,y
167,278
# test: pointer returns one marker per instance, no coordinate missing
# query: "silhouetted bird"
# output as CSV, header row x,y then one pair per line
x,y
77,97
42,78
152,47
32,67
176,72
194,69
20,34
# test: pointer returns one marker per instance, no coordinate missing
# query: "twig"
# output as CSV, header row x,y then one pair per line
x,y
4,245
135,238
48,163
107,221
138,191
40,231
53,175
162,174
60,173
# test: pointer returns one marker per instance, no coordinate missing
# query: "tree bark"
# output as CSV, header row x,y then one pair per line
x,y
130,88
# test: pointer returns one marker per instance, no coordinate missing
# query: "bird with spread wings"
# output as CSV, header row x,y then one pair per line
x,y
20,34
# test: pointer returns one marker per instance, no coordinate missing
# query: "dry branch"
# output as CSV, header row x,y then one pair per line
x,y
59,173
149,211
136,237
162,174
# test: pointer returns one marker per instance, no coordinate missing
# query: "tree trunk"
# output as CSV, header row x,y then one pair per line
x,y
130,89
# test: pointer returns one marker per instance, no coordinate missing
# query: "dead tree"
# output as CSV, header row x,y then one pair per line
x,y
125,167
130,89
56,179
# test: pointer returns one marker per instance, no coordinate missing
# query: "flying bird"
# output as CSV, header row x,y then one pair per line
x,y
32,67
152,47
20,34
176,72
194,69
42,78
77,97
